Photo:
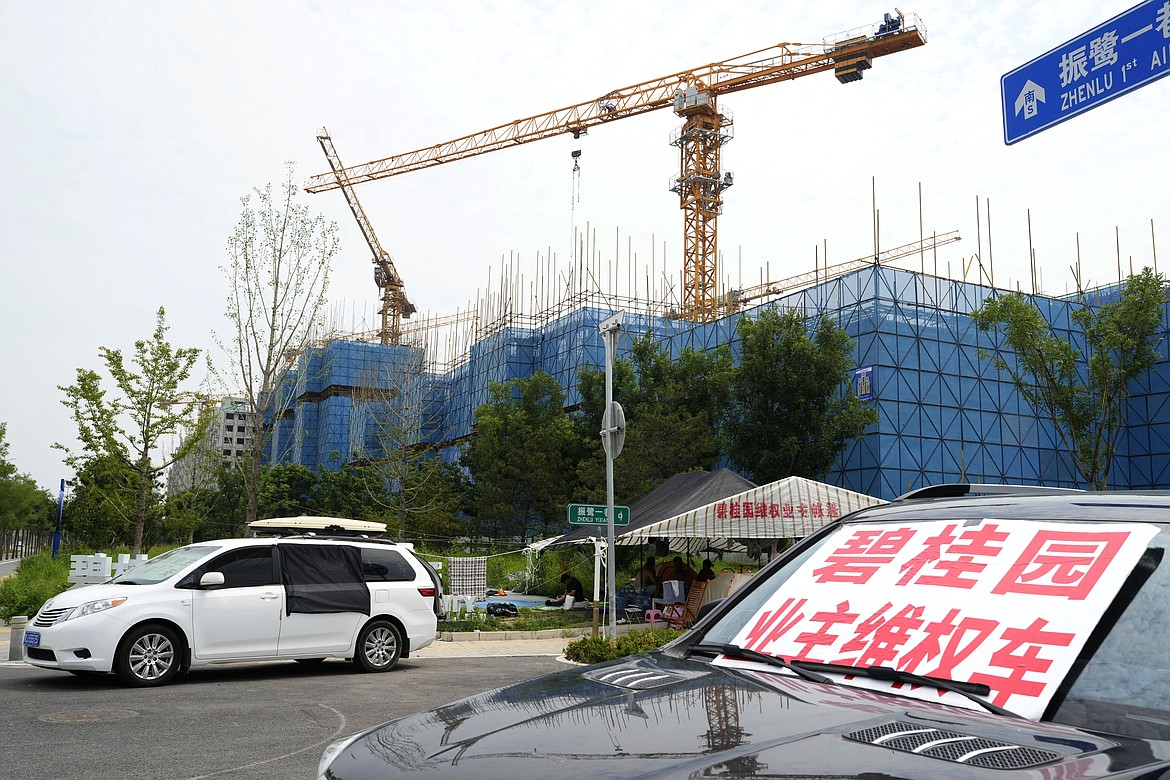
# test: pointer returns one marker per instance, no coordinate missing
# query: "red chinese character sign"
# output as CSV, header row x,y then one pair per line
x,y
1004,603
790,508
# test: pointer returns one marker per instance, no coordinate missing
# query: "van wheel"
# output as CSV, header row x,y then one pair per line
x,y
379,646
148,655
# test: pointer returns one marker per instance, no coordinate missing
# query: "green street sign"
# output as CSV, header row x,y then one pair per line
x,y
594,514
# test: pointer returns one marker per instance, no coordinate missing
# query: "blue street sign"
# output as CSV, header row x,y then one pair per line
x,y
1128,51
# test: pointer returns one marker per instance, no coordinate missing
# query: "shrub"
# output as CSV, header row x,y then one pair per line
x,y
38,579
640,641
590,650
481,623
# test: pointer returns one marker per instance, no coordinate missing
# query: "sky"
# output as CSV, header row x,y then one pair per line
x,y
130,131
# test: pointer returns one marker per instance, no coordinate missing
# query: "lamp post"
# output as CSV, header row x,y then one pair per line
x,y
613,435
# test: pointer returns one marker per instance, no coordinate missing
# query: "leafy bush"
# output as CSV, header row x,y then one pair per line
x,y
483,623
640,641
38,579
590,650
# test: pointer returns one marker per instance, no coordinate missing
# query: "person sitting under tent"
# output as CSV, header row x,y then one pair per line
x,y
680,571
706,572
646,580
573,590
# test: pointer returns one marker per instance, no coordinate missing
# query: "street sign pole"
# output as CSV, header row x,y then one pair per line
x,y
57,528
610,328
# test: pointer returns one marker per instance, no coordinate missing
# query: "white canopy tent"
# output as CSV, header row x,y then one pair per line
x,y
789,508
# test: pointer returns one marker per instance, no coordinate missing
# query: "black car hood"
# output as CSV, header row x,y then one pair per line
x,y
656,716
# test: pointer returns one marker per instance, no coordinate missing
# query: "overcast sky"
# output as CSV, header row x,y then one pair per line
x,y
131,130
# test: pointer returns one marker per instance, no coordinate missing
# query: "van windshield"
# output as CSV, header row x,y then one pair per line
x,y
164,566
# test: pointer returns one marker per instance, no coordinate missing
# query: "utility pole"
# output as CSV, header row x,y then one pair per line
x,y
613,435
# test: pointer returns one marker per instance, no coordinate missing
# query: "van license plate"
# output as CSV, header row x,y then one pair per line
x,y
32,638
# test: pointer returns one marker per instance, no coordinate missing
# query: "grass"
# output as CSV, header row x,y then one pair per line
x,y
529,619
37,580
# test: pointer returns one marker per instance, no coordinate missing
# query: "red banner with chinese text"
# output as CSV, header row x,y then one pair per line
x,y
1004,603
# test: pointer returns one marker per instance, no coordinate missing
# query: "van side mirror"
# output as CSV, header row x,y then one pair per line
x,y
211,579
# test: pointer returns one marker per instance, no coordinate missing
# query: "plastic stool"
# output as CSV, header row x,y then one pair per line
x,y
654,616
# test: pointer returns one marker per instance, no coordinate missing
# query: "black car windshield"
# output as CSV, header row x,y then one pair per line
x,y
164,566
1064,621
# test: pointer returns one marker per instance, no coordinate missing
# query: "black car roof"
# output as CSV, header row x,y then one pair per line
x,y
1101,506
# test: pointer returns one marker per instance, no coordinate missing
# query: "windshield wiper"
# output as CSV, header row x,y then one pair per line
x,y
764,658
976,692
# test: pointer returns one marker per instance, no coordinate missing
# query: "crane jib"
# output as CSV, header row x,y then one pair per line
x,y
693,95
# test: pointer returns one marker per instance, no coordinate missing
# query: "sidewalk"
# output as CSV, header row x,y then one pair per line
x,y
5,636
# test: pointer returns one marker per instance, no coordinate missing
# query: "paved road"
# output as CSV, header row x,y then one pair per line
x,y
263,721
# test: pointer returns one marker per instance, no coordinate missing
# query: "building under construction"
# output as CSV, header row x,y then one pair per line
x,y
946,415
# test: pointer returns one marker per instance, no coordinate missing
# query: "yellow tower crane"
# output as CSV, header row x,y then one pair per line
x,y
693,95
395,305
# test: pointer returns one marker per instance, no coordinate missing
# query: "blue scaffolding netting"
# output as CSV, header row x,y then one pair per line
x,y
945,413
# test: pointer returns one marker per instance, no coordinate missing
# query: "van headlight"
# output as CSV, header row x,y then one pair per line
x,y
93,607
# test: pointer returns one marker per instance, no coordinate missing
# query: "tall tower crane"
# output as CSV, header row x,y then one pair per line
x,y
693,95
395,305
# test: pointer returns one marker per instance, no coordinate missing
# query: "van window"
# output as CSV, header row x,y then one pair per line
x,y
385,566
245,568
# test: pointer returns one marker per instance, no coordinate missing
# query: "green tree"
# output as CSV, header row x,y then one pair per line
x,y
221,505
520,458
100,508
1084,395
435,493
791,413
22,503
397,396
151,406
351,490
179,520
278,275
672,410
286,491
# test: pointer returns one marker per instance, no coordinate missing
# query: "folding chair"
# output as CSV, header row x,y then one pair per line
x,y
685,614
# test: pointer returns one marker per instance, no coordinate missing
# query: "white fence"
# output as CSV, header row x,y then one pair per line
x,y
94,569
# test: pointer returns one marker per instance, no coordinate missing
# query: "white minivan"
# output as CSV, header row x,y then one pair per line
x,y
302,598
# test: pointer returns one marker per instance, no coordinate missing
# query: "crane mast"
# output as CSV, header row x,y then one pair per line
x,y
395,305
693,95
